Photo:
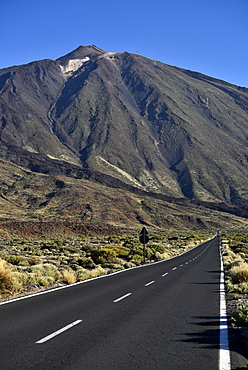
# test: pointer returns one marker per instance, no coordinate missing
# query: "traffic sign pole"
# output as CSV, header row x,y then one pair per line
x,y
144,239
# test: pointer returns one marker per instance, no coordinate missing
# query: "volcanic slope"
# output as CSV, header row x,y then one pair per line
x,y
33,203
159,128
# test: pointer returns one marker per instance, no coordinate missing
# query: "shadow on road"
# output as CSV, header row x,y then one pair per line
x,y
210,338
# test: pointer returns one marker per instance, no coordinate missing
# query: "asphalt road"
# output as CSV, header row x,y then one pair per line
x,y
159,316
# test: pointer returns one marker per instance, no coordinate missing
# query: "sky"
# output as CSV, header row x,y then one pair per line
x,y
208,36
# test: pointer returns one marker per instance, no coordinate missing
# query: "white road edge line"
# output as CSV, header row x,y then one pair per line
x,y
58,332
124,296
151,282
164,274
224,353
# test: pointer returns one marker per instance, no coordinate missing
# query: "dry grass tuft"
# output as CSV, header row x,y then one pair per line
x,y
239,274
6,276
69,276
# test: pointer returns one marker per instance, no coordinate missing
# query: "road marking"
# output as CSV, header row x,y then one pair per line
x,y
165,274
174,268
58,332
224,353
181,265
122,297
151,282
186,263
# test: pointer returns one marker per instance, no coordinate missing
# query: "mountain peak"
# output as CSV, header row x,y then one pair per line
x,y
128,117
81,52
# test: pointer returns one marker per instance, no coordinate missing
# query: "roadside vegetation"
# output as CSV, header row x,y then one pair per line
x,y
235,259
28,265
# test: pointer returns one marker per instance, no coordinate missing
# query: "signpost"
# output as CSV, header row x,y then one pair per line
x,y
144,239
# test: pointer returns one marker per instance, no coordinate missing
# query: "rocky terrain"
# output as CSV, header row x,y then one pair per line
x,y
124,120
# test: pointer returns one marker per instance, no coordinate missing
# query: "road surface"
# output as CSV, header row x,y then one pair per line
x,y
159,316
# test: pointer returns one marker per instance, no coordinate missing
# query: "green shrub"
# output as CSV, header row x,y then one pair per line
x,y
241,317
157,237
137,258
14,259
121,251
136,251
102,255
33,260
114,239
47,270
157,247
86,262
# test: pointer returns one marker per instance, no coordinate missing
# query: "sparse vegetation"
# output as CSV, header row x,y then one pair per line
x,y
6,275
241,317
235,258
28,263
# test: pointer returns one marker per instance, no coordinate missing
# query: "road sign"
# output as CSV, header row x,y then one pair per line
x,y
143,238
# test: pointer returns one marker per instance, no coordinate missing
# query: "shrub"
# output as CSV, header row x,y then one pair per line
x,y
136,251
114,239
45,280
157,247
19,279
14,259
241,318
69,276
102,255
6,275
157,237
33,260
137,258
239,274
237,288
86,262
47,270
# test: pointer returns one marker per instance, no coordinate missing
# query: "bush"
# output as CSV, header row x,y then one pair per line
x,y
14,259
6,276
86,262
137,258
114,239
241,317
102,255
157,247
69,276
47,270
239,274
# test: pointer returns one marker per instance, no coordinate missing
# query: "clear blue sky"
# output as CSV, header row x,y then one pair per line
x,y
205,36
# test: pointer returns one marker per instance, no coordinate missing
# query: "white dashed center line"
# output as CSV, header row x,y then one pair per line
x,y
151,282
122,297
174,268
165,274
58,332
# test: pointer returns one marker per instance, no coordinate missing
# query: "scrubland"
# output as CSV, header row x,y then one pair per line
x,y
235,258
29,264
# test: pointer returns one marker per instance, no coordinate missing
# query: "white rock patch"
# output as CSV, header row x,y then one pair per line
x,y
72,66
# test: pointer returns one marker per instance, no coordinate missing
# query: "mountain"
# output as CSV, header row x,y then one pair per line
x,y
35,204
127,122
